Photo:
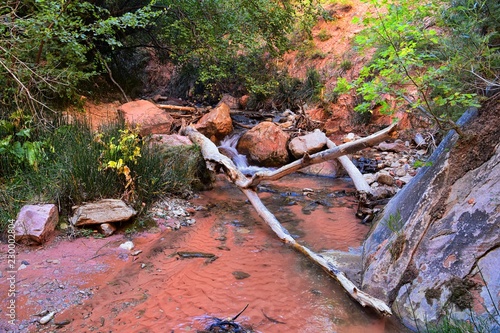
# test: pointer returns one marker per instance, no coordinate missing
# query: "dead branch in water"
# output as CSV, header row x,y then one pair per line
x,y
215,160
177,107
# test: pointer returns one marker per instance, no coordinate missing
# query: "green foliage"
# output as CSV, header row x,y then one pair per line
x,y
222,41
395,222
448,324
291,93
118,153
81,167
17,147
49,47
323,35
346,65
420,66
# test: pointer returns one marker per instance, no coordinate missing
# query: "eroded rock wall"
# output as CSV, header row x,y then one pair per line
x,y
425,251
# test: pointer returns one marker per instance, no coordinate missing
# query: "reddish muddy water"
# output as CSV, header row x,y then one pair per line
x,y
100,288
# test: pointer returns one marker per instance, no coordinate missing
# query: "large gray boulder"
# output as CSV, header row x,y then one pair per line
x,y
307,144
435,247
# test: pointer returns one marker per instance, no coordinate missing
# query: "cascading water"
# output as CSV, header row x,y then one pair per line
x,y
228,148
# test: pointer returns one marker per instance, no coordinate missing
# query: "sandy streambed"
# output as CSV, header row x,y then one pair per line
x,y
96,287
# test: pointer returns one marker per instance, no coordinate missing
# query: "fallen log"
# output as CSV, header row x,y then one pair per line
x,y
177,107
361,297
353,172
216,160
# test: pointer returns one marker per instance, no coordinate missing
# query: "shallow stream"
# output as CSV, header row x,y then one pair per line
x,y
163,292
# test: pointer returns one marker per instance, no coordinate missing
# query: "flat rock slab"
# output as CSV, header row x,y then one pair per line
x,y
36,222
103,211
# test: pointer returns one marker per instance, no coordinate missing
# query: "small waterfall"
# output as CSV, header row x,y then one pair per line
x,y
228,147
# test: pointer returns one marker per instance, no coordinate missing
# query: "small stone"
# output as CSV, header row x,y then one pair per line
x,y
400,172
128,245
45,319
349,137
385,179
240,275
136,253
21,267
107,229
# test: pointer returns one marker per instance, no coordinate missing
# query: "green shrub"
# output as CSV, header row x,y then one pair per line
x,y
77,170
432,71
324,35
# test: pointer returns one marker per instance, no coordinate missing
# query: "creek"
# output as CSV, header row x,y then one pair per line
x,y
214,268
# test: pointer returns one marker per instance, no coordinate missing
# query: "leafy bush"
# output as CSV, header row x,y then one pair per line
x,y
84,166
428,69
18,150
49,47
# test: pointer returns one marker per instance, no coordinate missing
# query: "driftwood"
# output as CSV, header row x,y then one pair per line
x,y
216,160
353,172
177,107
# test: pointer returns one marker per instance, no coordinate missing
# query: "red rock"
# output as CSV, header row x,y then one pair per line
x,y
36,222
244,101
147,116
216,124
265,144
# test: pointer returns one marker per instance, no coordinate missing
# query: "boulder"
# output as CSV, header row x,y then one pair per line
x,y
265,144
35,223
103,211
232,102
145,115
310,143
434,248
216,124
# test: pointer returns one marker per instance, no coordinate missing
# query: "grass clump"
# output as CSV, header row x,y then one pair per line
x,y
80,165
